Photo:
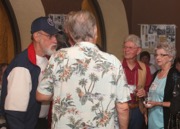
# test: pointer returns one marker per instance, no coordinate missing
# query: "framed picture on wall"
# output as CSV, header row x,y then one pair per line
x,y
59,20
151,33
62,39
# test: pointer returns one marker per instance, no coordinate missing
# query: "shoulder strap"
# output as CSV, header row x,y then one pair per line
x,y
142,74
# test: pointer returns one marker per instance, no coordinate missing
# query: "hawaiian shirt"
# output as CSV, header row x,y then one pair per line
x,y
86,83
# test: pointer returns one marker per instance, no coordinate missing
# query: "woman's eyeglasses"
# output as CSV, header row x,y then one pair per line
x,y
161,55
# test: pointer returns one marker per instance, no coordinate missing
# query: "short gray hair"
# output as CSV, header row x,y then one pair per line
x,y
168,47
133,38
81,26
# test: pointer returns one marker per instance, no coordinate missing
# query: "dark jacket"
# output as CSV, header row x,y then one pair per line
x,y
28,119
168,93
175,101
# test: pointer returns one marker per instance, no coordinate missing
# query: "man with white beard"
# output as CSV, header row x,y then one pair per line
x,y
23,74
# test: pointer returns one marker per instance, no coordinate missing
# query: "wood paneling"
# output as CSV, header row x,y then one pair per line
x,y
6,37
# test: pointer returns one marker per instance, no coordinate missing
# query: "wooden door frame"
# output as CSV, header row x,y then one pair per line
x,y
14,26
102,25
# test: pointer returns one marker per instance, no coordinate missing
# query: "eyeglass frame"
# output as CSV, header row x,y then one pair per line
x,y
131,48
48,35
161,55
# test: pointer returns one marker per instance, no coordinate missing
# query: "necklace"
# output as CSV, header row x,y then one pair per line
x,y
162,74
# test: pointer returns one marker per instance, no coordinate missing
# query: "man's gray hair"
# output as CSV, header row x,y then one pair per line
x,y
133,38
81,26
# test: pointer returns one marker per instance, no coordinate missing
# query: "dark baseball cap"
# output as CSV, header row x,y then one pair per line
x,y
45,24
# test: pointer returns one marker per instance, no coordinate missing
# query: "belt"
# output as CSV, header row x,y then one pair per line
x,y
133,105
42,119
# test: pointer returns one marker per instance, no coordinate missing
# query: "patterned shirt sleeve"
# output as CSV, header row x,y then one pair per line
x,y
123,93
47,83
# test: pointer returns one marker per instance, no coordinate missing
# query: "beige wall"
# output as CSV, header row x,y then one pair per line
x,y
25,11
115,25
113,12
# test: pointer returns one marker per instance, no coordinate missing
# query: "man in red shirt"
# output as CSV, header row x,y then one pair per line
x,y
138,77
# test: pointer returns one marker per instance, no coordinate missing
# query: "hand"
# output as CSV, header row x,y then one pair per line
x,y
141,93
146,104
151,104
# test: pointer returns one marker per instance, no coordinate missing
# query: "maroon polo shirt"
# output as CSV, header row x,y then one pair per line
x,y
132,78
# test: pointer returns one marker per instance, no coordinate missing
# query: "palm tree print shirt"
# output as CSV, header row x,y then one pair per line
x,y
85,83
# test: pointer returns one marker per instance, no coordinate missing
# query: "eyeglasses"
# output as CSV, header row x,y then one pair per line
x,y
126,47
161,55
48,35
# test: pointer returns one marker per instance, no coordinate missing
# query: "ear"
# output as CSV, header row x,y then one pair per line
x,y
36,36
95,34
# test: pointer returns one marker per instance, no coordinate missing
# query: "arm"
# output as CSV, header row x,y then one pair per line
x,y
17,98
153,104
45,87
42,97
163,104
44,90
123,96
123,114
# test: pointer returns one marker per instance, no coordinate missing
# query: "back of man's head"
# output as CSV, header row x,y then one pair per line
x,y
81,26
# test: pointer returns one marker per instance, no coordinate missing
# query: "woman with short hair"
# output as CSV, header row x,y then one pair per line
x,y
161,89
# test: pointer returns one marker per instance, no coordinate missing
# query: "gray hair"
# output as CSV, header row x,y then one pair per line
x,y
133,38
81,26
168,47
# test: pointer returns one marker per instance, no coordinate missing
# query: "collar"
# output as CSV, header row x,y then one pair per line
x,y
31,53
125,65
86,44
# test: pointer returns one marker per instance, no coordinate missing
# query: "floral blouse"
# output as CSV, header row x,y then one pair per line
x,y
85,83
